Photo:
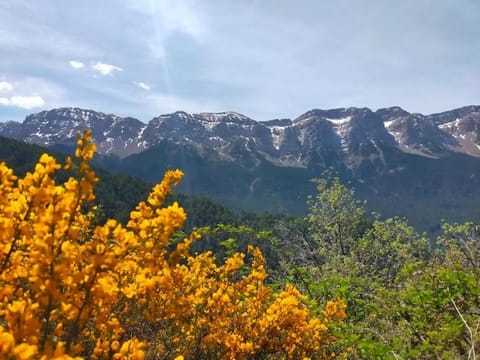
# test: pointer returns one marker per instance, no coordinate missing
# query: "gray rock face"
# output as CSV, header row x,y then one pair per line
x,y
452,115
11,129
113,135
463,125
415,133
436,134
350,136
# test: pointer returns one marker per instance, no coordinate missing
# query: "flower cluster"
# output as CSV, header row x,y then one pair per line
x,y
73,289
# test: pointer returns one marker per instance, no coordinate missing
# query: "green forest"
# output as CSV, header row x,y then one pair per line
x,y
407,295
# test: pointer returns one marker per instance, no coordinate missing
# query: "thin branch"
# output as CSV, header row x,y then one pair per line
x,y
472,340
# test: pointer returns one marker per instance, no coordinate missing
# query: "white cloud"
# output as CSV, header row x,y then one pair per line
x,y
143,85
33,92
24,102
106,69
27,102
77,65
5,86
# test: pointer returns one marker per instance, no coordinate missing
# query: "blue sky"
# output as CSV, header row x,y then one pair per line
x,y
263,58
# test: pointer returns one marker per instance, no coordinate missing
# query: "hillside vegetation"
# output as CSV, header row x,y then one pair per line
x,y
341,283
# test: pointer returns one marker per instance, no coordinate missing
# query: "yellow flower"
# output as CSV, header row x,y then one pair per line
x,y
69,287
25,351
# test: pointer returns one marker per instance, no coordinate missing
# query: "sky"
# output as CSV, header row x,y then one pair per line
x,y
266,59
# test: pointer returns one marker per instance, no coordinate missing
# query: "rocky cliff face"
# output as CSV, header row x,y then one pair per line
x,y
436,134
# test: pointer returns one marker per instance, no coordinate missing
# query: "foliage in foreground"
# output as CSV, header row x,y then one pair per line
x,y
408,297
70,288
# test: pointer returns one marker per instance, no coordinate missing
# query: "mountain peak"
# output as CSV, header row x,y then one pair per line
x,y
225,117
332,114
390,113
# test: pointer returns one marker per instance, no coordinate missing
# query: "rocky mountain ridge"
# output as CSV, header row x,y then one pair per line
x,y
349,135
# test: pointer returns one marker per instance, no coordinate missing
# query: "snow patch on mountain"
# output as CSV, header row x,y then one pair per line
x,y
278,135
450,125
387,124
341,121
396,134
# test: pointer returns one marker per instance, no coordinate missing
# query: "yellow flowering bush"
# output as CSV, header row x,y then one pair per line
x,y
72,289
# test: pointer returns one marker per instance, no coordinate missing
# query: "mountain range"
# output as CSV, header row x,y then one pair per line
x,y
400,162
346,132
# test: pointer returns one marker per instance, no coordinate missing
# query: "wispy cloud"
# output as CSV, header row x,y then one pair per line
x,y
105,69
77,65
34,39
142,85
23,102
173,15
163,19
